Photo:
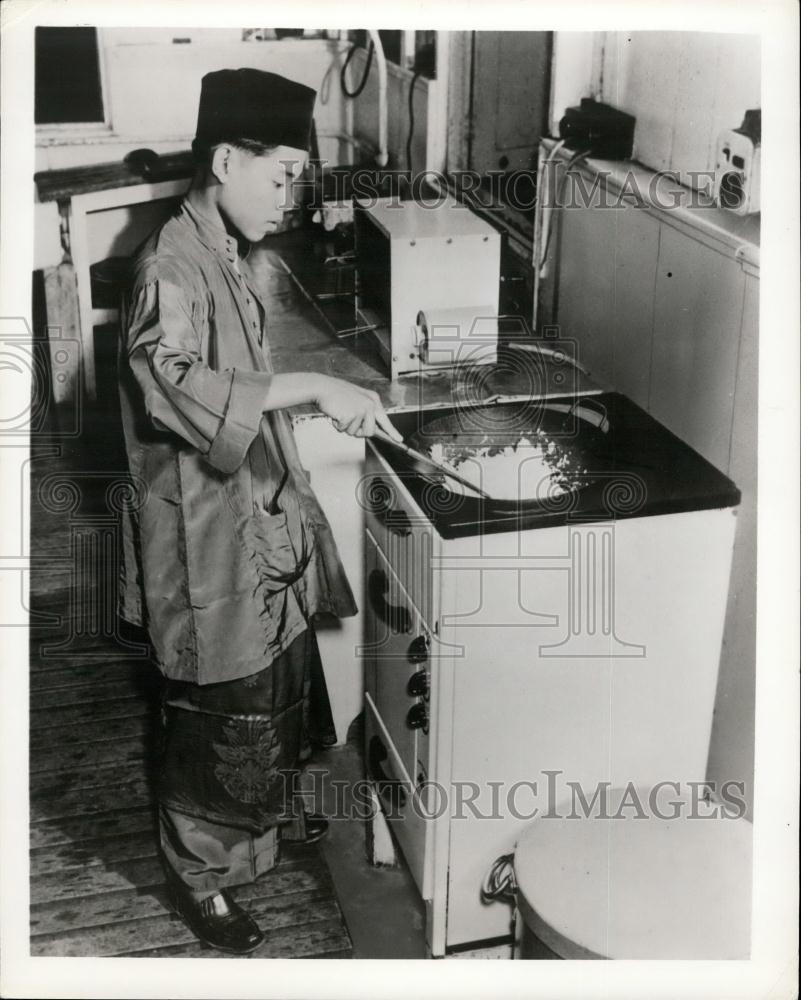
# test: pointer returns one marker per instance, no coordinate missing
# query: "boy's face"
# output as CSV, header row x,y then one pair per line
x,y
256,190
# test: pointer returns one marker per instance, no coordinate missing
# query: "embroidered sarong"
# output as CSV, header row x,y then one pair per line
x,y
231,751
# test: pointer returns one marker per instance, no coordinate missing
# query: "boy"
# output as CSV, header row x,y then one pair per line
x,y
229,555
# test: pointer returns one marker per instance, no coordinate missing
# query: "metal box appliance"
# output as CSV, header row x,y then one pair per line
x,y
520,652
432,257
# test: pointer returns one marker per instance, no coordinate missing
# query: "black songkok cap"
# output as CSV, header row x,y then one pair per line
x,y
252,104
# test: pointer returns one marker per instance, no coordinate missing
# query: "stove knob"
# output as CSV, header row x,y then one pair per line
x,y
417,717
418,685
418,650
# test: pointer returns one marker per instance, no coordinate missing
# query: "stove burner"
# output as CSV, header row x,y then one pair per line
x,y
552,461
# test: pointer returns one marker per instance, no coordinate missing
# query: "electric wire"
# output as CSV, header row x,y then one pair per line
x,y
500,881
344,70
543,184
558,197
415,78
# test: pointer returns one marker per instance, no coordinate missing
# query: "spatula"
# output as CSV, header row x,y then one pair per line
x,y
426,465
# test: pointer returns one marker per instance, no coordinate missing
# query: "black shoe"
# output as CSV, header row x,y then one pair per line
x,y
235,931
316,828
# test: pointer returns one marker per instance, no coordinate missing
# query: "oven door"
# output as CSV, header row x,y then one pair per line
x,y
403,533
396,718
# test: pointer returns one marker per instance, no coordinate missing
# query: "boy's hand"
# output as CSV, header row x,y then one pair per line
x,y
354,410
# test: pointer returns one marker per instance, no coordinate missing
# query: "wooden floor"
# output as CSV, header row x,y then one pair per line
x,y
96,880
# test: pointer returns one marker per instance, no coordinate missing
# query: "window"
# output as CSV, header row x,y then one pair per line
x,y
68,88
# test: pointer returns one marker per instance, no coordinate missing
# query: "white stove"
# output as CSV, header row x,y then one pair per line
x,y
512,649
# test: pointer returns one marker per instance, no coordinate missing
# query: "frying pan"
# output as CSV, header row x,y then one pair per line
x,y
580,431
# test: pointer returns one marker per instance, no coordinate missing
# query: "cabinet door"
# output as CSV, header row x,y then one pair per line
x,y
697,317
731,753
608,261
336,465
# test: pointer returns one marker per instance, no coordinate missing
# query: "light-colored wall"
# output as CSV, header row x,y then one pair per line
x,y
683,87
571,72
365,111
152,84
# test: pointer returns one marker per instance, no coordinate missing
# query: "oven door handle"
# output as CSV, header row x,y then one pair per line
x,y
379,500
397,521
397,617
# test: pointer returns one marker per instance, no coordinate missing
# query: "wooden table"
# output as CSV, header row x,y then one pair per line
x,y
82,194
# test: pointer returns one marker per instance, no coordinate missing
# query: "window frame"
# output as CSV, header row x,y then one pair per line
x,y
54,133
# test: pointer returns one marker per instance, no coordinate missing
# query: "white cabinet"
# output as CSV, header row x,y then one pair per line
x,y
731,753
665,309
606,301
336,463
656,313
698,308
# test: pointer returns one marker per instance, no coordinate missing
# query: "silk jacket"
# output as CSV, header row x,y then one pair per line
x,y
227,554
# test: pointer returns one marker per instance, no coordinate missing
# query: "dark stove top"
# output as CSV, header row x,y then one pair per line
x,y
631,465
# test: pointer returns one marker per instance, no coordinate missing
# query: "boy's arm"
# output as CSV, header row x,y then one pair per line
x,y
354,410
219,412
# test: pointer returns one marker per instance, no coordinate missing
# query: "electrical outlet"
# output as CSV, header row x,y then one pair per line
x,y
737,168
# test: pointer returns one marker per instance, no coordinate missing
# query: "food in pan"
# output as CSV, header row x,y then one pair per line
x,y
531,466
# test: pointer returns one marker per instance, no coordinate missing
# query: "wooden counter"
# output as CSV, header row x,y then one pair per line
x,y
61,185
